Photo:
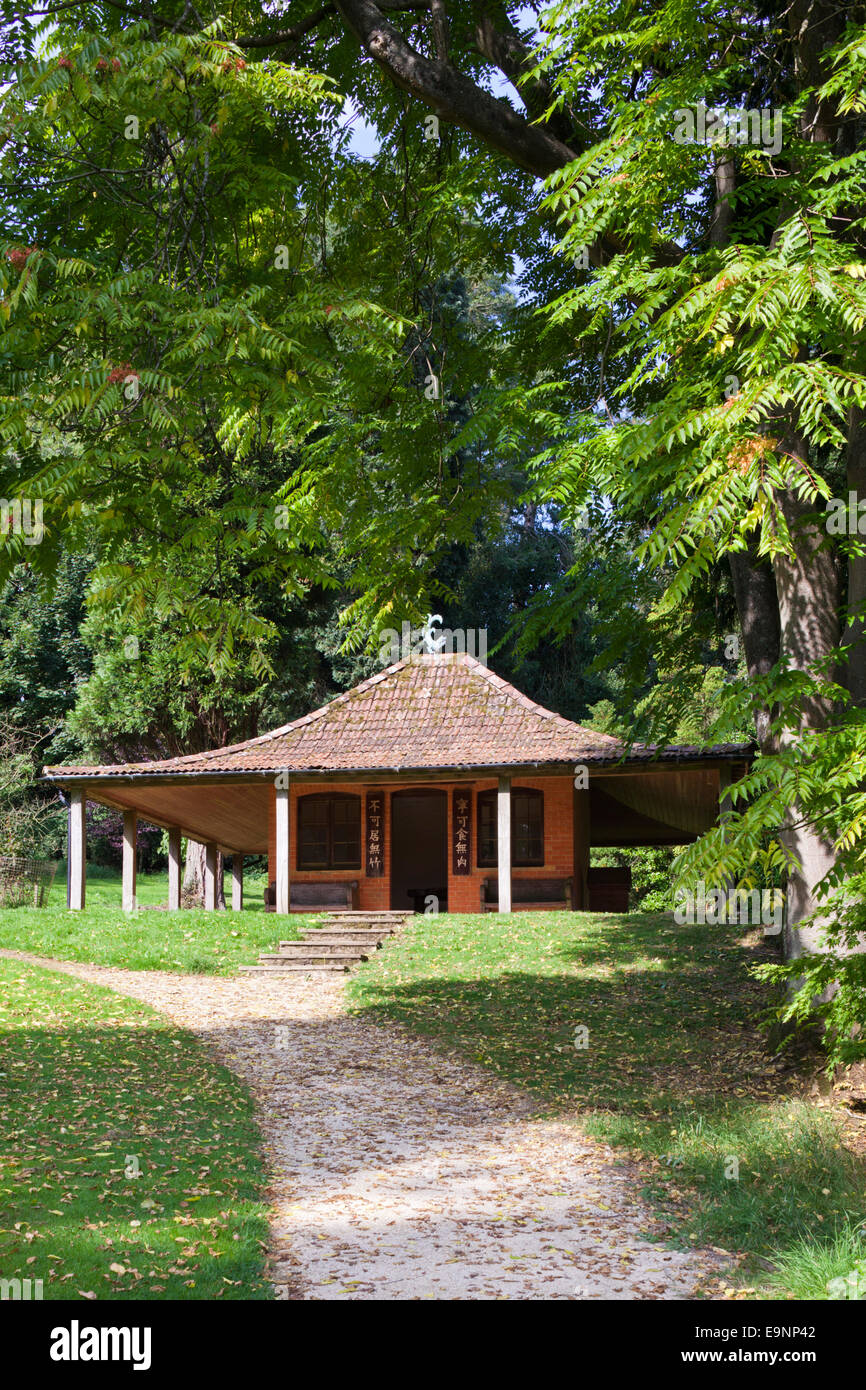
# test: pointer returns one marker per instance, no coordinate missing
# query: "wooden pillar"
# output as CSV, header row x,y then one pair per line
x,y
282,844
504,843
237,882
76,851
174,873
130,836
580,823
210,874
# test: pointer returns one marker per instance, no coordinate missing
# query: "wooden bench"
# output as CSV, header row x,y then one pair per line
x,y
529,893
312,895
609,888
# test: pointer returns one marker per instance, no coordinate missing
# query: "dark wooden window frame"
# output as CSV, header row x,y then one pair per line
x,y
519,861
326,863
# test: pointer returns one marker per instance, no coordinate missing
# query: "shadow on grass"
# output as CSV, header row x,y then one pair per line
x,y
132,1165
672,1064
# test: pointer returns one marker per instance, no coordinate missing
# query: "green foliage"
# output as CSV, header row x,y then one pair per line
x,y
164,317
781,321
651,873
25,818
509,570
259,359
42,654
739,332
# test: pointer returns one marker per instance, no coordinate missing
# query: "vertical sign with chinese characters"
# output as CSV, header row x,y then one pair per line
x,y
375,834
461,831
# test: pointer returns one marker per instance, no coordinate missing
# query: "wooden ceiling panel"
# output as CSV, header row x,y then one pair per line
x,y
233,814
687,799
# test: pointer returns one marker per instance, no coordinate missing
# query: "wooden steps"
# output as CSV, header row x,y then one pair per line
x,y
349,938
338,941
294,968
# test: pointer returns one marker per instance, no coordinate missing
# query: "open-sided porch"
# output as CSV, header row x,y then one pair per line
x,y
433,786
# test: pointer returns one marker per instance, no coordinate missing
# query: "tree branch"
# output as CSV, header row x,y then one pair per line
x,y
502,46
451,95
439,25
285,36
306,26
456,98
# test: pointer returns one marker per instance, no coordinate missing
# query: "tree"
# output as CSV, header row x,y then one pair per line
x,y
704,266
24,815
732,275
209,313
143,699
43,657
694,242
748,380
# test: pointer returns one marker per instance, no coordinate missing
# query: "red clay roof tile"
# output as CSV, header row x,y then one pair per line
x,y
423,713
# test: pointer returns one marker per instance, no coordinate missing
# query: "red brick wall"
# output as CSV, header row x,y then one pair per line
x,y
372,892
464,891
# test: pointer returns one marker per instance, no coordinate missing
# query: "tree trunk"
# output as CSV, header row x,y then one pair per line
x,y
808,587
758,608
193,876
855,629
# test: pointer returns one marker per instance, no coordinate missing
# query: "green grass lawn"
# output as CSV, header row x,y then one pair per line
x,y
675,1070
92,1088
191,940
104,888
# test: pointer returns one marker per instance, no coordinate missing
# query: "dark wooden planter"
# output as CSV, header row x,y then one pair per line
x,y
609,889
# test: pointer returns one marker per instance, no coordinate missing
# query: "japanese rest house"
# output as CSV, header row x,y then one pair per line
x,y
434,783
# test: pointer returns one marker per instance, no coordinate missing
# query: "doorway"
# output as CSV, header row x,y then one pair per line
x,y
419,849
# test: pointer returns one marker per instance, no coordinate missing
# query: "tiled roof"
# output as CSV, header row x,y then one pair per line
x,y
424,713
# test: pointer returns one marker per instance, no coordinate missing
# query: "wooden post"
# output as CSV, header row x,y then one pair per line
x,y
580,823
130,835
282,845
210,872
76,857
237,882
174,875
504,843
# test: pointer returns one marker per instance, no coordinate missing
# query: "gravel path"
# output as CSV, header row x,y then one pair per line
x,y
398,1173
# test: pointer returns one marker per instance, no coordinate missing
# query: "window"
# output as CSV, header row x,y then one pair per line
x,y
329,832
527,828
